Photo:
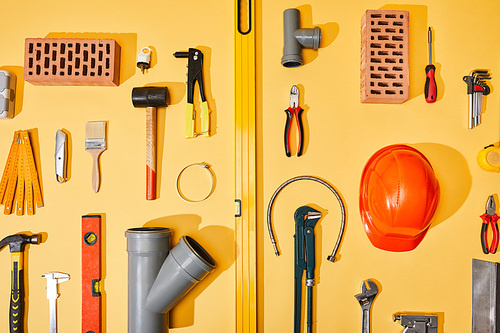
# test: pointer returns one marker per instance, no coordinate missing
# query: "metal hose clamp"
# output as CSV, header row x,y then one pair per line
x,y
331,188
212,177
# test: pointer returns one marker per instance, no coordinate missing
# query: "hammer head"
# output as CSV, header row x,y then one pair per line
x,y
17,242
156,97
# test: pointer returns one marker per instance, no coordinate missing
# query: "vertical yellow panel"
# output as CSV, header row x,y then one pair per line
x,y
246,309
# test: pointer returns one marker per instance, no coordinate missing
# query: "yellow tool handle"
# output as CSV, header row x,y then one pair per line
x,y
205,119
16,319
190,116
9,166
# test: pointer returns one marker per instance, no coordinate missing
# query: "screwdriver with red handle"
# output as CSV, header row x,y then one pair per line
x,y
430,90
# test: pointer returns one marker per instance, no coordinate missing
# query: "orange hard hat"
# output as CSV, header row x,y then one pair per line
x,y
399,194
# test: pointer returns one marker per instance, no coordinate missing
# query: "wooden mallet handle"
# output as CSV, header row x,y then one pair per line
x,y
150,98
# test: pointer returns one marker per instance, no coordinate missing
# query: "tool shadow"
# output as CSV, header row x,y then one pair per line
x,y
176,92
329,32
454,178
218,241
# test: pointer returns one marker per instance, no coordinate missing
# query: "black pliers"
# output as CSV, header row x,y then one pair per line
x,y
296,110
195,74
489,217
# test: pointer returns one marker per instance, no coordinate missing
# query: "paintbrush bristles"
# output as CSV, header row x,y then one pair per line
x,y
95,135
95,129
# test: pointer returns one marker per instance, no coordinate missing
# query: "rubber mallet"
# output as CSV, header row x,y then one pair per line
x,y
150,98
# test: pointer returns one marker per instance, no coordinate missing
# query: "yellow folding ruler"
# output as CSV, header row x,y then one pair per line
x,y
20,186
245,228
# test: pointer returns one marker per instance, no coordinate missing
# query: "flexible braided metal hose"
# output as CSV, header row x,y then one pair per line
x,y
331,188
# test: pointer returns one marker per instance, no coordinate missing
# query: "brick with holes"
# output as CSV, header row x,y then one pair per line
x,y
72,62
384,57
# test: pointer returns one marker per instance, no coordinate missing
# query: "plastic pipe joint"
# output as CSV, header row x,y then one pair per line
x,y
158,277
296,38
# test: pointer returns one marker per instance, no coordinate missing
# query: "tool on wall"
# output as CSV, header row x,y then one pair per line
x,y
305,260
7,94
160,276
294,111
72,62
245,172
95,144
150,98
476,89
296,38
369,291
61,156
417,323
17,245
144,59
485,296
195,74
489,158
20,184
274,241
91,274
53,279
205,166
385,70
430,89
489,217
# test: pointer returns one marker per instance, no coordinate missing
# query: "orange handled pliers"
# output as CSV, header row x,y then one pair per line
x,y
294,110
489,217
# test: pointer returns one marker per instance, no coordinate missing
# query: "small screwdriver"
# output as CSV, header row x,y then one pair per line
x,y
430,90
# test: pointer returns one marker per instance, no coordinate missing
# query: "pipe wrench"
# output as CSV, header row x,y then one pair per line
x,y
53,279
305,220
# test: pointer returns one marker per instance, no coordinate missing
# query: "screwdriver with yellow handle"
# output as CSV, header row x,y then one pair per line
x,y
195,74
430,90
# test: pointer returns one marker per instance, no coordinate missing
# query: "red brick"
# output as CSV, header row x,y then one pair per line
x,y
72,62
385,56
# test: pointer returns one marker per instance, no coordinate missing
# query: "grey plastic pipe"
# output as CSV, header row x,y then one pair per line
x,y
158,280
296,38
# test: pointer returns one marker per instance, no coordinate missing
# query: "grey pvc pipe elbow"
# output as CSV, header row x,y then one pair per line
x,y
296,38
157,281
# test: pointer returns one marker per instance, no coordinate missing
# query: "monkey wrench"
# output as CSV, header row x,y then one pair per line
x,y
369,291
305,220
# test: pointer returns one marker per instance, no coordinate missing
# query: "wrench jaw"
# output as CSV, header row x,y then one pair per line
x,y
369,291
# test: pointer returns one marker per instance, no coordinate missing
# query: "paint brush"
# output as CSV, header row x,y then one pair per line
x,y
95,144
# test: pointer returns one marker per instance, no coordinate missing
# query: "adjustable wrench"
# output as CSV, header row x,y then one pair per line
x,y
53,279
369,291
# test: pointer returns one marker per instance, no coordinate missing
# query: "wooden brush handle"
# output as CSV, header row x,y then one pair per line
x,y
150,153
96,176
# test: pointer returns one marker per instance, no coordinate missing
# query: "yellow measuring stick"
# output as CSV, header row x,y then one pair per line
x,y
20,186
245,115
9,167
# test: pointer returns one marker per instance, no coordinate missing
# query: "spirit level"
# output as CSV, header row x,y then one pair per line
x,y
246,266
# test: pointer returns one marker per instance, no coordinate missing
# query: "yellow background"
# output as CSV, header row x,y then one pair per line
x,y
341,134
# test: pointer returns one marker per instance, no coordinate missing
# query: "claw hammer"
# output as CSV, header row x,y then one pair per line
x,y
16,244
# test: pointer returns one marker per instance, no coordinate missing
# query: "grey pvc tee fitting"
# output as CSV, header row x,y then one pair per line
x,y
156,282
296,38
